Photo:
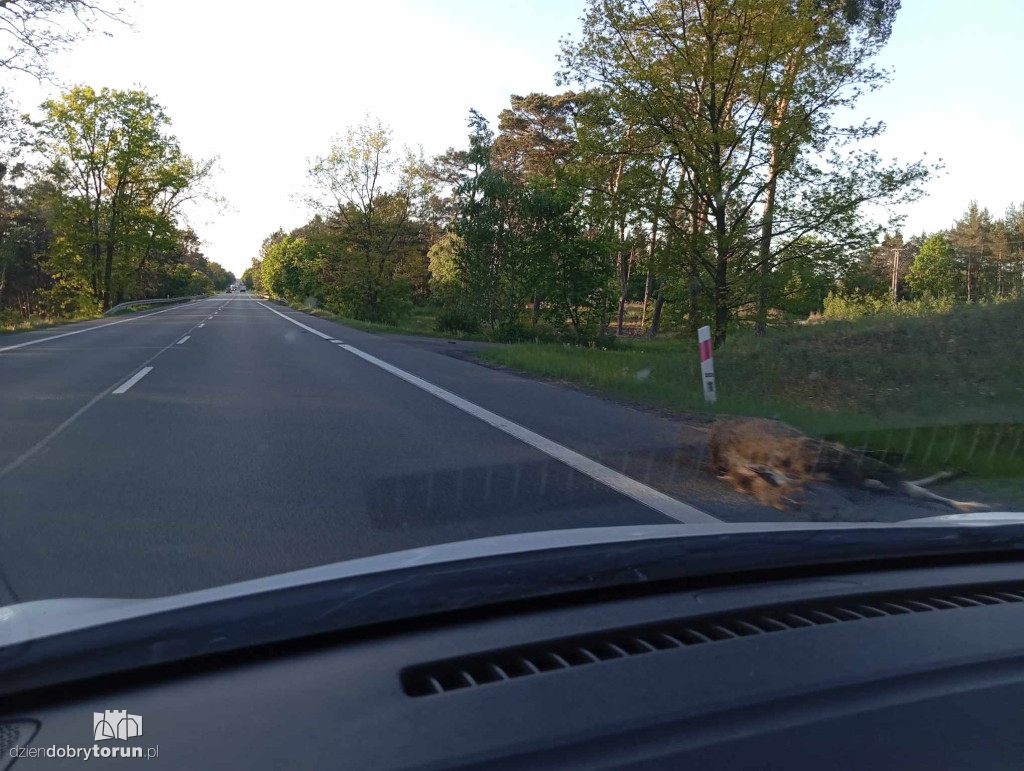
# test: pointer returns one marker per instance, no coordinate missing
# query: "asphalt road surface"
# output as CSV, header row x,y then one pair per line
x,y
231,438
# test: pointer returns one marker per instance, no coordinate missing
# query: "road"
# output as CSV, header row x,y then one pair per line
x,y
231,438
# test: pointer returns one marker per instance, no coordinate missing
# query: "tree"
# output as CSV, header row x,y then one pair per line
x,y
1012,265
293,268
177,181
532,223
220,278
574,275
973,236
822,61
738,97
491,269
445,281
535,135
934,271
34,30
371,197
121,177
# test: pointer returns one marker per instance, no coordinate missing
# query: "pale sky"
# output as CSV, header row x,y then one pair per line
x,y
264,86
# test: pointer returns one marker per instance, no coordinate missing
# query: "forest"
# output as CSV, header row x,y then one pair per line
x,y
698,169
94,186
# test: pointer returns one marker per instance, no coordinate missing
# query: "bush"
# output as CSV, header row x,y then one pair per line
x,y
454,321
9,318
856,306
851,307
391,306
512,332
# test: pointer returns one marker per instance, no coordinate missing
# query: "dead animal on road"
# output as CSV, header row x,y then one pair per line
x,y
772,462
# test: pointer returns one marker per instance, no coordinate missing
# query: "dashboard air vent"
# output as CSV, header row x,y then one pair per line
x,y
554,655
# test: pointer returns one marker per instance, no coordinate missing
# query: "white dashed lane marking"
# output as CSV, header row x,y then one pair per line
x,y
133,380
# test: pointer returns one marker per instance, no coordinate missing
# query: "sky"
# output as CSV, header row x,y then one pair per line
x,y
264,87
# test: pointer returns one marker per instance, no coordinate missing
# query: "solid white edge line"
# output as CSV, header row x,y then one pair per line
x,y
184,339
90,329
631,488
621,483
297,323
133,380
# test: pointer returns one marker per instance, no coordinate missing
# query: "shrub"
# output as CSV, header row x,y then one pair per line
x,y
454,321
512,332
856,306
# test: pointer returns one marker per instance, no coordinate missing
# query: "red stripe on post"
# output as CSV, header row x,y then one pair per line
x,y
705,350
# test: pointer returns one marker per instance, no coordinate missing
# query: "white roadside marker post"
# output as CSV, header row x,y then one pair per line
x,y
707,364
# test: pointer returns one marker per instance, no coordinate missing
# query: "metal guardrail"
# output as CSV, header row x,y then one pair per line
x,y
130,303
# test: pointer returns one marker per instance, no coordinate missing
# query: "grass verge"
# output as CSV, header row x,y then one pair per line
x,y
422,321
944,388
10,324
17,324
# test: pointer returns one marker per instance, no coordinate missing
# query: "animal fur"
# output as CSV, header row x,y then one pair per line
x,y
772,462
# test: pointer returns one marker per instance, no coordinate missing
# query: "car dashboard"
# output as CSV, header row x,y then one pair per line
x,y
910,667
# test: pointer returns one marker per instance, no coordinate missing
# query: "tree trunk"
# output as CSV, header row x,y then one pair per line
x,y
142,264
698,220
721,290
614,191
721,303
94,276
94,263
970,271
764,253
647,297
107,271
656,316
692,308
139,293
653,244
625,263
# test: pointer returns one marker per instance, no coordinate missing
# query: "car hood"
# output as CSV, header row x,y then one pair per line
x,y
977,518
51,640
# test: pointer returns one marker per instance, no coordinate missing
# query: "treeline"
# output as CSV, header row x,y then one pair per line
x,y
979,259
696,166
93,217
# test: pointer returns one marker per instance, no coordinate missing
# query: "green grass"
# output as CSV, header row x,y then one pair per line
x,y
18,324
981,449
421,321
877,378
15,323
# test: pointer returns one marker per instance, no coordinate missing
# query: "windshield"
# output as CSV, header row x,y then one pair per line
x,y
283,290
